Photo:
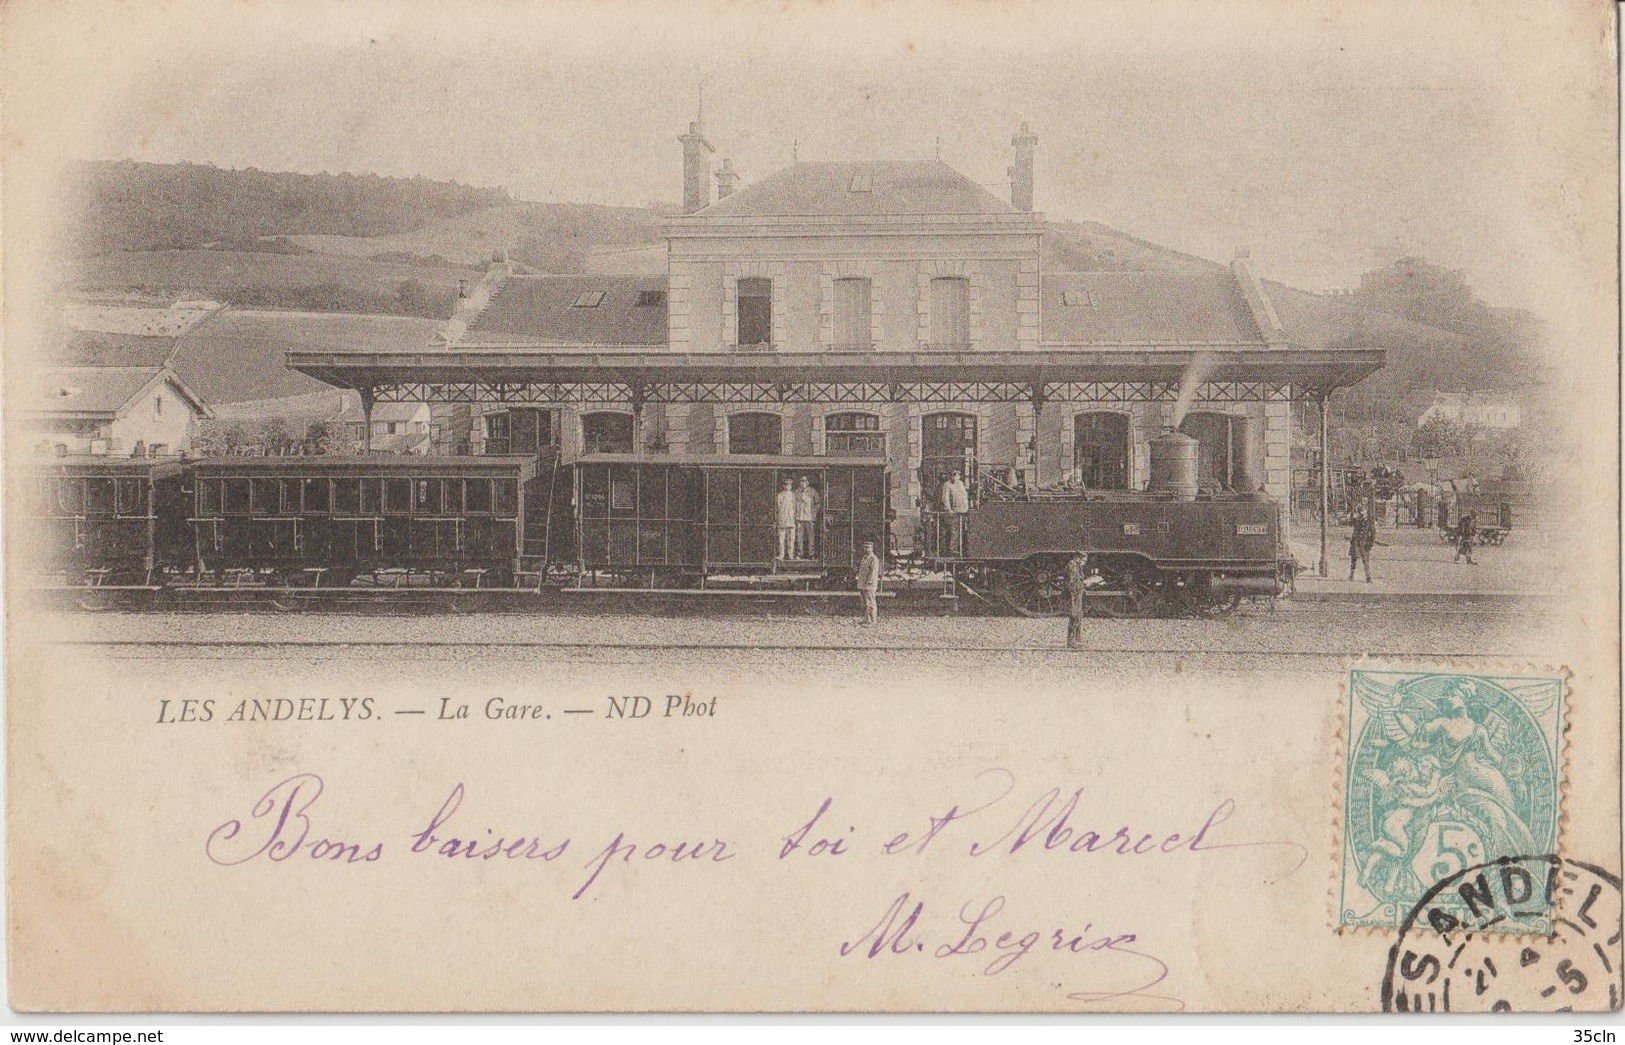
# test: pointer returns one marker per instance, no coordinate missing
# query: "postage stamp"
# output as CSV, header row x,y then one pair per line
x,y
1445,771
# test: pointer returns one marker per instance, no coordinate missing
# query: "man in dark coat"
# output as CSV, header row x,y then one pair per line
x,y
1466,534
1361,539
1077,584
869,583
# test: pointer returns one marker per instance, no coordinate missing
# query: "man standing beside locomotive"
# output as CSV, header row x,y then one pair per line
x,y
806,520
1361,539
784,509
1077,587
869,583
956,503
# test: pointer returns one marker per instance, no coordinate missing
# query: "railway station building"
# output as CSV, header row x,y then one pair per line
x,y
876,308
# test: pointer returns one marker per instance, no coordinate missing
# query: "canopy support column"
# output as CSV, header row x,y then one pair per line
x,y
366,418
1322,398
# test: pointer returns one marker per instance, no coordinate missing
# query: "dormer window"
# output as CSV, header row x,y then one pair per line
x,y
589,299
651,298
1077,297
862,182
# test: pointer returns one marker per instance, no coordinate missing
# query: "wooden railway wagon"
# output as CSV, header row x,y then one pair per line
x,y
325,520
107,521
1152,556
662,521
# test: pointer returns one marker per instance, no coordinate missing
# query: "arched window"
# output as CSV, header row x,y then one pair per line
x,y
607,432
947,445
755,433
854,435
1100,449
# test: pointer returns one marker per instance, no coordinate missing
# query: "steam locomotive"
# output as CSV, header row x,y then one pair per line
x,y
636,522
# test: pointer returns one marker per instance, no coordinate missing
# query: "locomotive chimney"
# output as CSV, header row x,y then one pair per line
x,y
1173,465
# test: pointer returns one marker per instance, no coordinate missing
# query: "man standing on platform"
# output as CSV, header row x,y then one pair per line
x,y
1361,539
806,521
784,507
869,583
1077,585
956,503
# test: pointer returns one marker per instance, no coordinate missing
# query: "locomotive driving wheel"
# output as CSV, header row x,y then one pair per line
x,y
1138,593
1034,587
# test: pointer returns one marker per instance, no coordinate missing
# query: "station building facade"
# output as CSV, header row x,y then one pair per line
x,y
880,308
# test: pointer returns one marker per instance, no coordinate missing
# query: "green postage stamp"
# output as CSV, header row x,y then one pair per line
x,y
1443,772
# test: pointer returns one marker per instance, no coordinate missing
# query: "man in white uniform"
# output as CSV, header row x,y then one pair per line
x,y
785,509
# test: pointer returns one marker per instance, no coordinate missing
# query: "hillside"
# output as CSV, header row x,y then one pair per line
x,y
129,206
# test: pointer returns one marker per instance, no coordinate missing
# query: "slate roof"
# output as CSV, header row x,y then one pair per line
x,y
239,355
901,187
544,310
101,349
1138,307
93,391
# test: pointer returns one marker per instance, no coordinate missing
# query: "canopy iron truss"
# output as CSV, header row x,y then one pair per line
x,y
1115,375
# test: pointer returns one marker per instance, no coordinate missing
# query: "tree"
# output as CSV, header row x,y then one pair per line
x,y
1439,436
413,298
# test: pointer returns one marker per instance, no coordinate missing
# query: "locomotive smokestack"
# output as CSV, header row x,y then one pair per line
x,y
1173,465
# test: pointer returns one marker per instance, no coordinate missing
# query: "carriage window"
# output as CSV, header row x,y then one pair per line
x,y
854,435
237,497
606,433
620,495
347,496
397,496
372,496
429,496
507,495
755,433
209,496
42,490
267,498
129,499
476,495
289,491
318,495
70,494
98,497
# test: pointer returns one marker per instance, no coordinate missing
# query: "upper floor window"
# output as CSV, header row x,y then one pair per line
x,y
157,406
755,311
852,314
755,433
950,312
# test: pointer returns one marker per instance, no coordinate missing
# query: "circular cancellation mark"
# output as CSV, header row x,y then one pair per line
x,y
1449,956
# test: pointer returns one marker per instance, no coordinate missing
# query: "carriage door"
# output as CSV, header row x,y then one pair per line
x,y
947,445
1100,450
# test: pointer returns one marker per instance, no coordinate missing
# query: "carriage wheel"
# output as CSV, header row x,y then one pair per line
x,y
1034,587
1140,597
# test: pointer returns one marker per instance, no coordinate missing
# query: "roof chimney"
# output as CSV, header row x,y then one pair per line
x,y
1021,172
696,164
726,179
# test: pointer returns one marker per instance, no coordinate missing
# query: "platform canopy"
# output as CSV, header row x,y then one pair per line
x,y
636,374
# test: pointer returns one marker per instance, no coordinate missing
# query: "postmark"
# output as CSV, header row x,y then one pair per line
x,y
1444,771
1451,955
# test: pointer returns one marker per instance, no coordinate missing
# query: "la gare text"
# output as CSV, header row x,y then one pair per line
x,y
363,709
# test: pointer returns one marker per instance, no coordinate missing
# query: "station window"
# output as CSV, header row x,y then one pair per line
x,y
853,311
1100,449
854,435
755,433
755,311
950,312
